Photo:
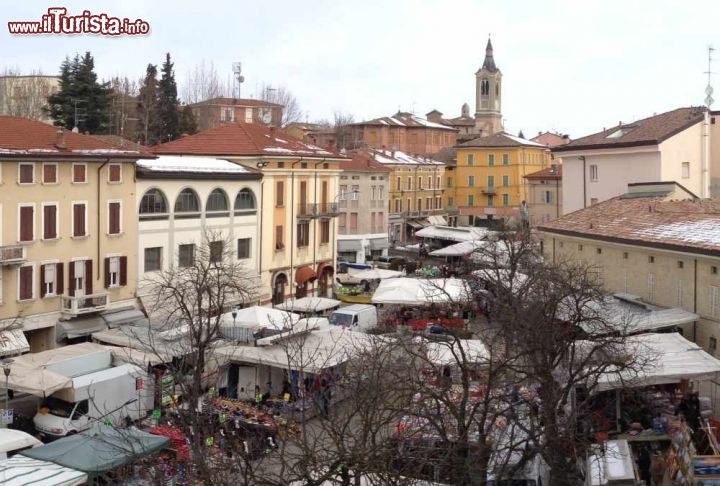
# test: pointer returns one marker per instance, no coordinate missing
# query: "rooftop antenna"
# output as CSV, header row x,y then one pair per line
x,y
709,89
238,78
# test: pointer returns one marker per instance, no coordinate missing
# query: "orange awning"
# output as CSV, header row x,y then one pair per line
x,y
304,274
322,267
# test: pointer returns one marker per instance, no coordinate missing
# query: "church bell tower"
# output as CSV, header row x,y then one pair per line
x,y
488,96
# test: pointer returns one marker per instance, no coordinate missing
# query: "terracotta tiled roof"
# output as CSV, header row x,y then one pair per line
x,y
460,121
120,142
362,161
501,139
686,225
243,139
551,140
235,102
648,131
22,137
403,119
547,173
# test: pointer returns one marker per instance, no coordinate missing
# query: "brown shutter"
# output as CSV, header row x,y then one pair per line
x,y
42,280
59,279
25,276
123,270
88,277
79,219
107,273
114,217
49,220
26,223
71,278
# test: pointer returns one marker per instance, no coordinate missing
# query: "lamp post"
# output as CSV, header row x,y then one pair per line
x,y
6,369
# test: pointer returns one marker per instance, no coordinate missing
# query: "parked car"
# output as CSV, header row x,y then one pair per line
x,y
390,262
347,270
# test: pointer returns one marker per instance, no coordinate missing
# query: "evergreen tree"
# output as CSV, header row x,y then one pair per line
x,y
521,134
80,94
147,108
188,124
168,104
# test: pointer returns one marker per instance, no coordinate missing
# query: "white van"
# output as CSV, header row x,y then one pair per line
x,y
357,317
14,441
113,394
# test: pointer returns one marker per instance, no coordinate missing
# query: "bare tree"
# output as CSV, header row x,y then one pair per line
x,y
203,82
343,131
25,95
123,106
281,95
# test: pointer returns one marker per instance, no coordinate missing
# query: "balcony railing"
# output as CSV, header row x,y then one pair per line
x,y
12,254
317,210
85,304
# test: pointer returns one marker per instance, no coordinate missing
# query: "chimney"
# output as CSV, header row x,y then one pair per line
x,y
60,139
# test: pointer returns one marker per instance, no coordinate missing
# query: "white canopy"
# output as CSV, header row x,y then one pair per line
x,y
629,314
12,440
449,352
310,352
671,358
309,304
459,249
13,341
452,233
258,316
21,471
412,291
376,274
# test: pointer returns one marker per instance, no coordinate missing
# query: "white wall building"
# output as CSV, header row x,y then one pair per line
x,y
183,198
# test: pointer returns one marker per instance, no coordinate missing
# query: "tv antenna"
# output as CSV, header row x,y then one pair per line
x,y
709,89
238,78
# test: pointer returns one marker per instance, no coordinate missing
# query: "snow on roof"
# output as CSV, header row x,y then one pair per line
x,y
179,163
398,157
703,231
524,141
105,151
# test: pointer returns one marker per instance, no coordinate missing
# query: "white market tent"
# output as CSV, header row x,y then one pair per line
x,y
459,249
452,233
412,291
670,359
308,304
12,440
377,274
22,471
449,352
251,319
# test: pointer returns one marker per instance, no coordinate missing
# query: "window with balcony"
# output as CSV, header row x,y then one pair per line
x,y
115,271
243,248
26,173
419,205
438,202
490,200
429,204
303,234
186,255
51,279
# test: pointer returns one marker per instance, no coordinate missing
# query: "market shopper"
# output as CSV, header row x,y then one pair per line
x,y
644,463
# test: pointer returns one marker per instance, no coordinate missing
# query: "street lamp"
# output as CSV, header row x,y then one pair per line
x,y
6,369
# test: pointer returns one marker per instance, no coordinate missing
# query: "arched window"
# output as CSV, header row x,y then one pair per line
x,y
245,200
153,205
484,87
217,204
187,204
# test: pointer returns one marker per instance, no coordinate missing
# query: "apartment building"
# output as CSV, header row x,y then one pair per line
x,y
655,241
297,200
488,181
187,201
363,206
402,132
219,111
68,230
544,202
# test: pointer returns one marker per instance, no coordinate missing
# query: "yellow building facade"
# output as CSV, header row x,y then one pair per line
x,y
488,181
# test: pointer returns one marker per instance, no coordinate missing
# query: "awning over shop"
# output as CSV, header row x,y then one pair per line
x,y
22,471
415,224
349,245
13,341
437,220
100,451
304,274
378,243
133,317
324,267
79,327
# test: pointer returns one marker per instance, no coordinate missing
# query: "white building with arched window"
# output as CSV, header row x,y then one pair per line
x,y
181,199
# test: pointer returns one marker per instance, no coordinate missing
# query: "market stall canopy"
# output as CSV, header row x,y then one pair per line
x,y
126,316
40,374
310,352
23,471
377,274
628,314
412,291
12,440
670,358
81,327
13,341
99,451
158,343
260,316
308,304
459,249
452,233
457,351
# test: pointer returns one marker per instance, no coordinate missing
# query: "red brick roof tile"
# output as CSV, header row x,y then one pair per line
x,y
362,161
546,173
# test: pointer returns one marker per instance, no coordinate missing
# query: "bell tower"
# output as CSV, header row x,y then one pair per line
x,y
488,96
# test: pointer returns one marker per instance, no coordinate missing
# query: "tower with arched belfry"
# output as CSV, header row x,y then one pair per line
x,y
488,96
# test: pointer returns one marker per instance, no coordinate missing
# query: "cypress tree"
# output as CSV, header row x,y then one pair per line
x,y
168,104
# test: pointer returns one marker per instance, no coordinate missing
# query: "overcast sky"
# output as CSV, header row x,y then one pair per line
x,y
570,66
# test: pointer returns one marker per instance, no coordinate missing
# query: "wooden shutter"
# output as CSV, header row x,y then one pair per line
x,y
25,276
49,222
42,280
123,270
114,217
79,220
59,282
71,277
79,173
49,173
88,277
107,273
26,223
114,172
